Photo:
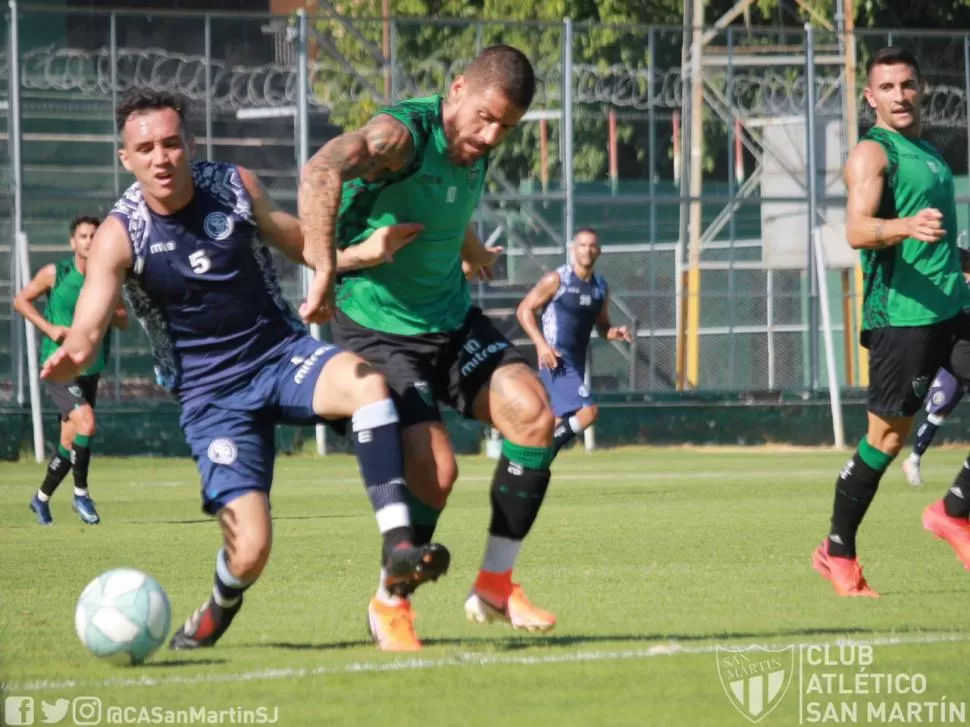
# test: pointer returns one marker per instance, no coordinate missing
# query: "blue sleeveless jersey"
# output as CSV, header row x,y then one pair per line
x,y
569,317
204,287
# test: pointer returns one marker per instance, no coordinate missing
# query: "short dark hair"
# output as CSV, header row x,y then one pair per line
x,y
890,56
507,68
138,100
84,220
588,230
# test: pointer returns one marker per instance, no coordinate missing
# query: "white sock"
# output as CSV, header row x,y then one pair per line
x,y
915,458
78,492
42,496
393,516
935,419
500,554
575,425
385,596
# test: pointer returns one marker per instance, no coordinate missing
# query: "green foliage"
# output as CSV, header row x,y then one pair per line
x,y
429,52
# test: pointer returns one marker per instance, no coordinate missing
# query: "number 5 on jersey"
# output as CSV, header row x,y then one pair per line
x,y
200,262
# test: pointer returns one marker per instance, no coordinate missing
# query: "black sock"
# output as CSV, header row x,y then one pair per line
x,y
518,489
424,520
377,441
565,432
228,589
854,490
957,499
82,460
57,470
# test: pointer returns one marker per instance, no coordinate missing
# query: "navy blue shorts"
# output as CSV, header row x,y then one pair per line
x,y
232,436
944,394
566,388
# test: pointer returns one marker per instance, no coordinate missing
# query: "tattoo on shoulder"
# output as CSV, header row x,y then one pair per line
x,y
382,145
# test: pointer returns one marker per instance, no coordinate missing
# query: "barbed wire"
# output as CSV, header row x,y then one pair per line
x,y
778,91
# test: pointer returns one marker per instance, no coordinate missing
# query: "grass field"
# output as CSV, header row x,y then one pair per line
x,y
652,558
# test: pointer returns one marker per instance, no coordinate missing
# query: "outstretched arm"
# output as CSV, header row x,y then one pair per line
x,y
526,313
108,264
383,145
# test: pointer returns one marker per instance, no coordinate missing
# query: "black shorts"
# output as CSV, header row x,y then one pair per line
x,y
425,370
68,397
903,362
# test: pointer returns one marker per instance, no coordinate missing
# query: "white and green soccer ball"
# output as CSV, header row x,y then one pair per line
x,y
123,616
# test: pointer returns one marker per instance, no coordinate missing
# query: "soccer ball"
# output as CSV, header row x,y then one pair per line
x,y
123,616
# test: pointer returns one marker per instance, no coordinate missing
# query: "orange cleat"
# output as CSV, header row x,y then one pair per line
x,y
954,530
844,573
496,598
392,626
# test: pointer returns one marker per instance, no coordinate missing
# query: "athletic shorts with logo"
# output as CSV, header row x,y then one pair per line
x,y
566,387
79,392
903,362
232,435
425,370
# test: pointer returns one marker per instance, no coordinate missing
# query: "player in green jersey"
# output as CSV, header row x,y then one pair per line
x,y
61,282
418,168
901,215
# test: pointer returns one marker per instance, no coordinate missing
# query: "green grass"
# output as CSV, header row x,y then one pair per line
x,y
639,552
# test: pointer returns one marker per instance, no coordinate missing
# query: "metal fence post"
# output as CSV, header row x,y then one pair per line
x,y
567,132
810,171
16,161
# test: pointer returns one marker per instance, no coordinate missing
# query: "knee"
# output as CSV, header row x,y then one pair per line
x,y
247,556
536,422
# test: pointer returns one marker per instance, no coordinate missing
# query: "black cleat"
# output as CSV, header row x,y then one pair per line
x,y
409,566
205,626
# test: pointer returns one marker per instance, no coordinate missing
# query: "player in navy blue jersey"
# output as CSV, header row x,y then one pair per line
x,y
942,398
573,299
186,244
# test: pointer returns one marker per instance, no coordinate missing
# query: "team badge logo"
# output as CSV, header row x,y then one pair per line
x,y
755,678
222,451
217,225
75,390
424,391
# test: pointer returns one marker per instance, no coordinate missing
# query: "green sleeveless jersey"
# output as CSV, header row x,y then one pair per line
x,y
61,302
423,290
913,283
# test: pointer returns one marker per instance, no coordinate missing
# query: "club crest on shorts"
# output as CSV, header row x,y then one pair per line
x,y
222,451
755,678
424,391
920,385
217,225
74,390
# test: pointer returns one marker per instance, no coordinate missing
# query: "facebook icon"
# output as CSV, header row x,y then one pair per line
x,y
18,710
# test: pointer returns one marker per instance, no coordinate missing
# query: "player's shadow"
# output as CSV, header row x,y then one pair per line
x,y
515,643
182,662
209,521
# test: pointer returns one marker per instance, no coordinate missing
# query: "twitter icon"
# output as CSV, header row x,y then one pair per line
x,y
54,713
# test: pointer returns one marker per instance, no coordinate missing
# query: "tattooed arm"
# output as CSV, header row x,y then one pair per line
x,y
865,179
384,145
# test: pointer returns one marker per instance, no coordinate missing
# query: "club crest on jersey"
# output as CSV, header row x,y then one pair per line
x,y
217,225
222,451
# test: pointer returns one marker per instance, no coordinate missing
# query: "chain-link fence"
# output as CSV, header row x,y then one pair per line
x,y
702,209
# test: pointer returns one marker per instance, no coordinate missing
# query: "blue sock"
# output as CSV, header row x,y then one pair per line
x,y
926,433
377,441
